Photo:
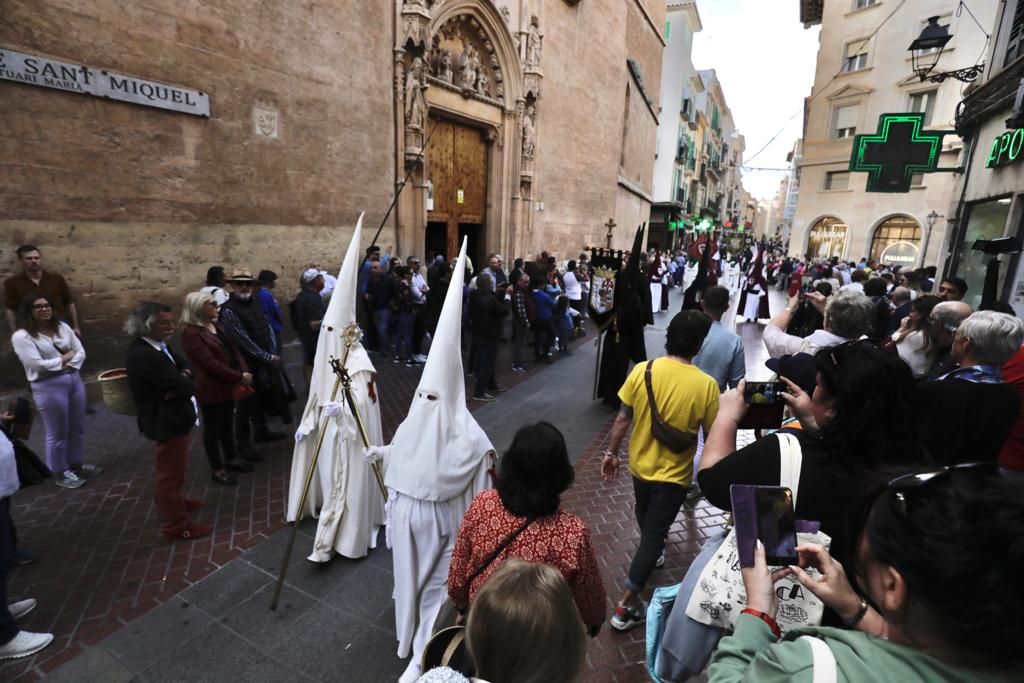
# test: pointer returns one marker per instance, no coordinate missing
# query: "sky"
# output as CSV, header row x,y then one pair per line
x,y
765,59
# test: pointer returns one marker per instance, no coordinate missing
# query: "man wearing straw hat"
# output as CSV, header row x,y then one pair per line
x,y
244,318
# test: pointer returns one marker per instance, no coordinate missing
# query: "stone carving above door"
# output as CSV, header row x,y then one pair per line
x,y
463,57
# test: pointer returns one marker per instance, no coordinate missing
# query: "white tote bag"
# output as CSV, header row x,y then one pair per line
x,y
719,595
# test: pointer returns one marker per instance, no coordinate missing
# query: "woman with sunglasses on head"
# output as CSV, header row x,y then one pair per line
x,y
52,356
940,595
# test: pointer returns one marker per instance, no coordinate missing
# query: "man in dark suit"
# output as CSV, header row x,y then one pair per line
x,y
161,385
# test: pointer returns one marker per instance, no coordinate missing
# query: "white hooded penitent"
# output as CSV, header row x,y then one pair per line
x,y
343,487
437,452
437,463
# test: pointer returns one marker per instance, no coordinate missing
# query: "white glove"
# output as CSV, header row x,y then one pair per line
x,y
374,453
332,409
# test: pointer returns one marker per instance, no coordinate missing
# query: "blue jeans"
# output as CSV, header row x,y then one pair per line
x,y
403,334
382,321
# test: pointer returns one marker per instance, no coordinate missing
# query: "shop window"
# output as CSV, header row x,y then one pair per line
x,y
897,242
856,56
844,123
837,180
985,221
924,102
827,238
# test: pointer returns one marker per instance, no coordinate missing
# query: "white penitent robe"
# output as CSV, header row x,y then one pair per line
x,y
753,301
344,488
422,536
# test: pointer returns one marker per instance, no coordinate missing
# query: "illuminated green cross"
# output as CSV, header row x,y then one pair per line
x,y
896,152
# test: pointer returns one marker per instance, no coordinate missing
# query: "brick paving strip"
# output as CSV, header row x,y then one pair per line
x,y
104,565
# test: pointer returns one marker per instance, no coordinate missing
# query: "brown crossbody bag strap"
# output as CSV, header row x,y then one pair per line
x,y
676,440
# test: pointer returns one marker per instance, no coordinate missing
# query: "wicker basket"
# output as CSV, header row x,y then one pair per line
x,y
116,393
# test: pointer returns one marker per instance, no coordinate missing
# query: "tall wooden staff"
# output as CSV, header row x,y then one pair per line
x,y
350,335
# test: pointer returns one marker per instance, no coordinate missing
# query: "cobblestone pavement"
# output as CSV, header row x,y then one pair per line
x,y
104,565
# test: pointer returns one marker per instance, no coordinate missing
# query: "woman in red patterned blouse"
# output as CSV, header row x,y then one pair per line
x,y
531,477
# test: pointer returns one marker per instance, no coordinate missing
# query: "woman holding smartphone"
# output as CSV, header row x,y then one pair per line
x,y
927,537
52,356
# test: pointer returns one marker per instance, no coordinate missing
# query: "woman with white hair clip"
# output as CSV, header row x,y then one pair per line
x,y
523,627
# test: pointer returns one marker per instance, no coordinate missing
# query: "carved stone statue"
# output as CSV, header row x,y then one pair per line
x,y
529,133
415,102
481,84
534,38
444,69
468,69
506,15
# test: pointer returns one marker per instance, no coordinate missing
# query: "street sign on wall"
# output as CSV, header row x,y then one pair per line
x,y
51,73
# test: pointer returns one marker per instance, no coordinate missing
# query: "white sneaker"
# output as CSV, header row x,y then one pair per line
x,y
420,358
24,644
70,480
21,608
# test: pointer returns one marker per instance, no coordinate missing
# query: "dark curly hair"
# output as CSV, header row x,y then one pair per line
x,y
965,529
873,403
534,472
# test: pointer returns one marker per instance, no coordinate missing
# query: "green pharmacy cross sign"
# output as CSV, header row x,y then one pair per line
x,y
899,149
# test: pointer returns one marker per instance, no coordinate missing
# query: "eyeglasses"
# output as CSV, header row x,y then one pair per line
x,y
906,483
42,307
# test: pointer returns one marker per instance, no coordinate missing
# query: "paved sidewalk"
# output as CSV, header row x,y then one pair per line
x,y
144,609
103,562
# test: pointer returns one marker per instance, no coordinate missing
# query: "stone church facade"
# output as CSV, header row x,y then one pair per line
x,y
521,124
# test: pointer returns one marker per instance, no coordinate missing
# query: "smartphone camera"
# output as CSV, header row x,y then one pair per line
x,y
763,393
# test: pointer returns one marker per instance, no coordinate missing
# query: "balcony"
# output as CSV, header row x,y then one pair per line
x,y
713,206
681,154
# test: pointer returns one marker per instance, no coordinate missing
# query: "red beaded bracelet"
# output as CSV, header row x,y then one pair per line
x,y
766,618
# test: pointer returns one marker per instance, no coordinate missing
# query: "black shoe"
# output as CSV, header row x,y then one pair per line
x,y
238,466
227,479
496,390
23,557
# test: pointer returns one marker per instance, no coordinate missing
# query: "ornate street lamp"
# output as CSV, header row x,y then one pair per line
x,y
926,50
931,219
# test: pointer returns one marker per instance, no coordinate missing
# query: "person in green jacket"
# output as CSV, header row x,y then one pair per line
x,y
938,564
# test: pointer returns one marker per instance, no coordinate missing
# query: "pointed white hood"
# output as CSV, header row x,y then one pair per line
x,y
341,312
439,447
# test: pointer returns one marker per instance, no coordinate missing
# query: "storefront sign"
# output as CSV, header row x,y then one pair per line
x,y
1005,148
900,253
828,234
50,73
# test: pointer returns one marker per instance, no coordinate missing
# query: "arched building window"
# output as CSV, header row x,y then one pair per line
x,y
827,238
897,242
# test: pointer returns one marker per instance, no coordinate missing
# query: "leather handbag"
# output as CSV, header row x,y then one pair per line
x,y
676,440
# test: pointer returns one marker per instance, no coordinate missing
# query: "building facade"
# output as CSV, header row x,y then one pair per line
x,y
675,163
520,124
989,198
864,71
